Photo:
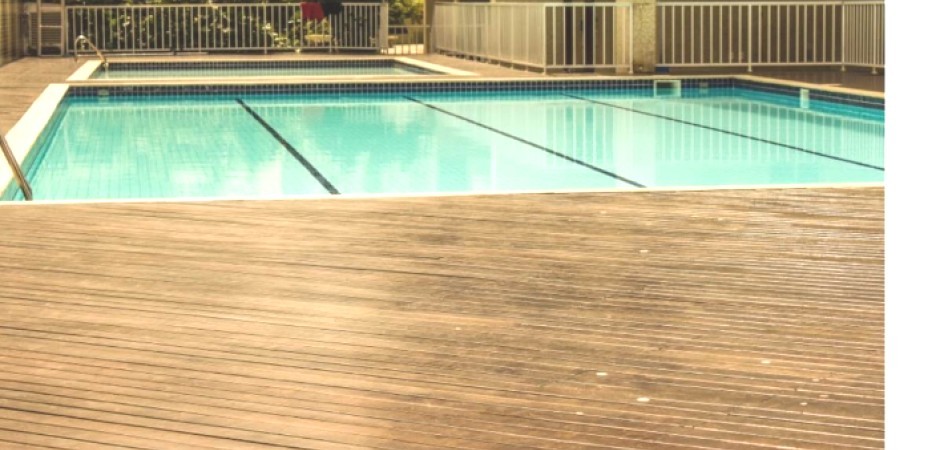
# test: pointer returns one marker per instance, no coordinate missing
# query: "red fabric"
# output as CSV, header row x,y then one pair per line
x,y
312,11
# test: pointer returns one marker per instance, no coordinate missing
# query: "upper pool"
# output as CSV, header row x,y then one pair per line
x,y
153,142
248,68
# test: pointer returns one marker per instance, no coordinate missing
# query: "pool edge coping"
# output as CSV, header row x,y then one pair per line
x,y
434,67
417,195
811,86
83,75
476,79
84,72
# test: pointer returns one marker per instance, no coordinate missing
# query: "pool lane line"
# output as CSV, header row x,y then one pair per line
x,y
530,143
290,148
732,133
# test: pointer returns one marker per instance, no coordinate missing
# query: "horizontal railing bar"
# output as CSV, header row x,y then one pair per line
x,y
744,64
771,3
582,66
535,5
531,5
207,5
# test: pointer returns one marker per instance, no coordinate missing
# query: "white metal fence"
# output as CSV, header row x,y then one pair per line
x,y
547,36
540,35
506,32
771,33
222,27
864,34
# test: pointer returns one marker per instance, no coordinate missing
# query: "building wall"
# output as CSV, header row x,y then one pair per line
x,y
10,36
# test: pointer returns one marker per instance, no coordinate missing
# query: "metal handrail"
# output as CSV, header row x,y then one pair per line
x,y
17,171
82,38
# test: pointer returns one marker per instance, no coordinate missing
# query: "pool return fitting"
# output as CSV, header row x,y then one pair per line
x,y
667,88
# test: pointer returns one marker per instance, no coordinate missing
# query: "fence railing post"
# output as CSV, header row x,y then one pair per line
x,y
750,37
844,22
383,26
545,39
875,33
631,35
512,37
63,31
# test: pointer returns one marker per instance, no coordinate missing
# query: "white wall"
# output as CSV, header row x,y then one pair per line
x,y
10,42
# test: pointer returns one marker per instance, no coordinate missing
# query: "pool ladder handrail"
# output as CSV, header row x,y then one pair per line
x,y
82,38
17,171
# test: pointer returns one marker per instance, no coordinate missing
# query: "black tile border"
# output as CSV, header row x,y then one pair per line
x,y
814,94
692,84
364,87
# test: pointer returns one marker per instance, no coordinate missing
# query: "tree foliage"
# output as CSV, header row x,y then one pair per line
x,y
405,11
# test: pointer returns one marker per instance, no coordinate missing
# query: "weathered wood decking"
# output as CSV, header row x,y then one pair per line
x,y
23,80
656,320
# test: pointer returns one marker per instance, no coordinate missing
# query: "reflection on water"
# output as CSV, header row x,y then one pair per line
x,y
212,147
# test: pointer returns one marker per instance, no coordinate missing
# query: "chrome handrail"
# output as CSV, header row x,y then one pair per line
x,y
17,171
82,38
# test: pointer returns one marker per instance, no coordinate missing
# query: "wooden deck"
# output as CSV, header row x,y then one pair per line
x,y
23,80
732,319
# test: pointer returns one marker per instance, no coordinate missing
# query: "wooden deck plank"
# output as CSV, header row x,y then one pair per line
x,y
747,318
22,81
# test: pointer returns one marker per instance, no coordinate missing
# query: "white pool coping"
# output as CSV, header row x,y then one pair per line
x,y
393,196
434,67
84,73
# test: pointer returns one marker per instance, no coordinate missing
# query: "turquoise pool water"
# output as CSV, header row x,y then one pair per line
x,y
123,71
263,145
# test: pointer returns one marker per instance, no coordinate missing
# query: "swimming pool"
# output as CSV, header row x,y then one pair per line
x,y
250,142
248,68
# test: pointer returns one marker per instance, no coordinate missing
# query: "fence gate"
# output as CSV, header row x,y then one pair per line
x,y
771,33
46,30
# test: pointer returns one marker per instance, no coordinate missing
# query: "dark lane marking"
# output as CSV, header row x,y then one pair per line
x,y
293,151
529,143
732,133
